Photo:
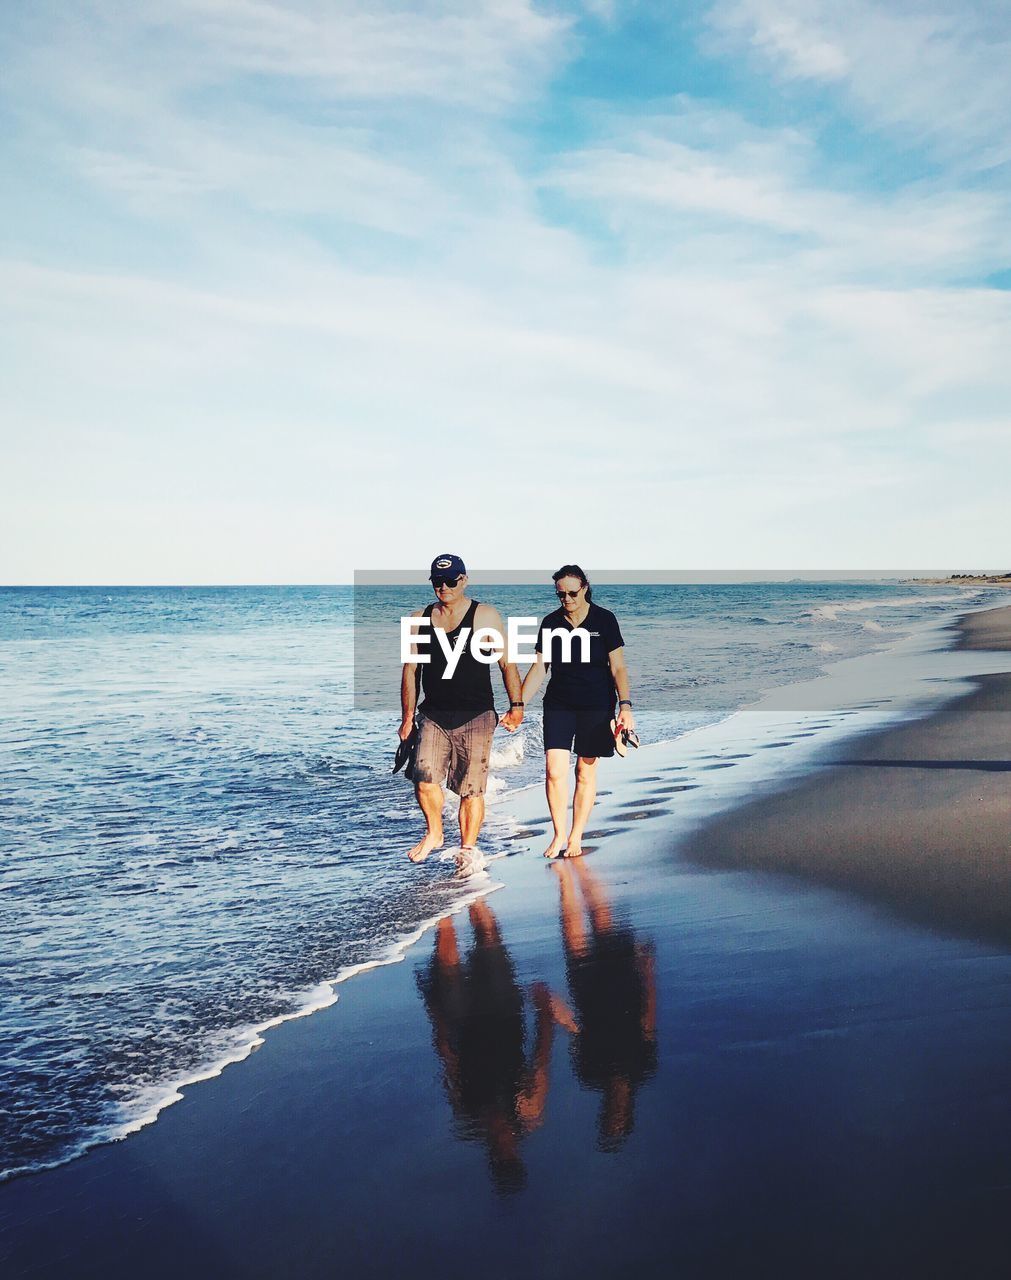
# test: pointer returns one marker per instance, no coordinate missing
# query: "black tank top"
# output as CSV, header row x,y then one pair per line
x,y
467,693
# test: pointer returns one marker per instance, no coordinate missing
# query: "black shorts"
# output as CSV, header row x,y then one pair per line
x,y
587,731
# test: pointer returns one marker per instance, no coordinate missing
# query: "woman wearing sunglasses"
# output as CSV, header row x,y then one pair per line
x,y
579,702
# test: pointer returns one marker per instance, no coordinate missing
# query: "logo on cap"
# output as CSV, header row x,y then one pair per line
x,y
443,563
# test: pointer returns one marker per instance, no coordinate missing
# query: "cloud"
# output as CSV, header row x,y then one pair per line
x,y
935,74
762,198
482,53
263,259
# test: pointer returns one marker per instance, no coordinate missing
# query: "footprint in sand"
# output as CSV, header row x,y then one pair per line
x,y
724,764
604,832
642,814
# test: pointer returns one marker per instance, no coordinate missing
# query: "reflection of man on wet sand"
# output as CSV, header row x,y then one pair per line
x,y
477,1011
612,981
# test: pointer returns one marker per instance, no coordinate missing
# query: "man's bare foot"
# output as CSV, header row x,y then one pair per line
x,y
469,858
574,849
555,847
424,847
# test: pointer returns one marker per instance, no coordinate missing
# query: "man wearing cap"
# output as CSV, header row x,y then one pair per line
x,y
456,719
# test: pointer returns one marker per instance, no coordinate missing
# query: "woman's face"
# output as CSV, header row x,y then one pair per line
x,y
571,594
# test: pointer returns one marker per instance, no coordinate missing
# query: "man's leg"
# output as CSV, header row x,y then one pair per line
x,y
471,818
556,784
430,763
582,803
430,798
468,773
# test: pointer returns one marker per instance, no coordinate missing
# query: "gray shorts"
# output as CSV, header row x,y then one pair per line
x,y
460,756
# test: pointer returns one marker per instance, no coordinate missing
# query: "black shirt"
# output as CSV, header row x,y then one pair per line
x,y
467,693
576,684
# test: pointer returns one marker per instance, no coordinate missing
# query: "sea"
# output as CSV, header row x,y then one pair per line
x,y
201,835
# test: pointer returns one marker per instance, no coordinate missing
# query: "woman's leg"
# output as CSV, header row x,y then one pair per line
x,y
582,803
556,784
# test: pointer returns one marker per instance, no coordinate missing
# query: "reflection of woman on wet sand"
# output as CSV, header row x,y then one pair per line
x,y
612,981
477,1011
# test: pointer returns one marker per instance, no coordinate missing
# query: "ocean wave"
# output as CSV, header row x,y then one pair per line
x,y
145,1103
830,612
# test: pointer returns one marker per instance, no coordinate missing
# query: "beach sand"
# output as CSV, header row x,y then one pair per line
x,y
667,1062
918,817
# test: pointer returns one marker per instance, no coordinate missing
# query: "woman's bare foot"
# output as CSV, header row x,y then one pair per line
x,y
555,847
424,847
574,849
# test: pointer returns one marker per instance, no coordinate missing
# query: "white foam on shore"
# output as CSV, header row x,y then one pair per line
x,y
147,1104
831,612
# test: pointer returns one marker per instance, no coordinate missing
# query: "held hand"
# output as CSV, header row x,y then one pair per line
x,y
512,719
625,720
405,729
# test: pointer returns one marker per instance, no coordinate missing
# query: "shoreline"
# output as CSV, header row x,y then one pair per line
x,y
913,818
918,812
341,1143
518,810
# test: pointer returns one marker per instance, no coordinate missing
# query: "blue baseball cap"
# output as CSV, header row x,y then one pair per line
x,y
447,566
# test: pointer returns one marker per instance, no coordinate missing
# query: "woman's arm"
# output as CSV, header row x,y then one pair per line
x,y
619,673
533,679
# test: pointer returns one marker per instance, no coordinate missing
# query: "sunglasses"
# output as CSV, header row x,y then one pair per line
x,y
446,582
568,595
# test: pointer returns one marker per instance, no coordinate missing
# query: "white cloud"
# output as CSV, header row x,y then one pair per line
x,y
935,73
647,182
318,281
482,53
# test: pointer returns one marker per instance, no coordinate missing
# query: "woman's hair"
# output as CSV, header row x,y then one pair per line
x,y
573,571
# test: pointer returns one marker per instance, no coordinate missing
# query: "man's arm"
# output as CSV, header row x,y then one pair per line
x,y
409,692
489,617
513,718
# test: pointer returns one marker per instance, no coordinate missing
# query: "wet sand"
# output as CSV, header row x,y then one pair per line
x,y
665,1062
917,817
989,629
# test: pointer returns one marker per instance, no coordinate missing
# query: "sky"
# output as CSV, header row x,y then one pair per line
x,y
289,290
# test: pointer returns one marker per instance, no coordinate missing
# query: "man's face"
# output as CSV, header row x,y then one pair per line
x,y
447,593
